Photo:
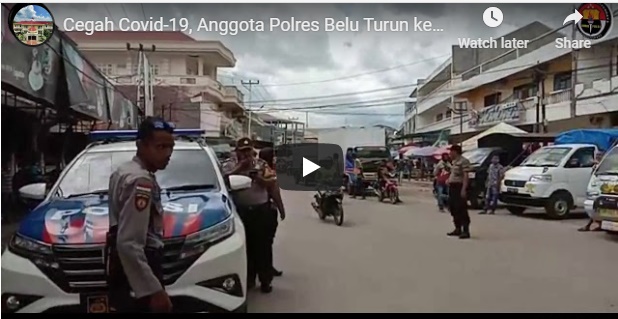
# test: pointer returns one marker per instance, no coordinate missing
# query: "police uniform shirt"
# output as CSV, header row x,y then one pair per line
x,y
256,194
135,206
459,167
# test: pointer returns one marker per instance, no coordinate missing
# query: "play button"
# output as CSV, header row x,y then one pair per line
x,y
300,165
309,167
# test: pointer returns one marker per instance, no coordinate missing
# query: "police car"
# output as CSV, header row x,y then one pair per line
x,y
55,261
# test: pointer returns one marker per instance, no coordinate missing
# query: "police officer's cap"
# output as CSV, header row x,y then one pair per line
x,y
152,124
244,143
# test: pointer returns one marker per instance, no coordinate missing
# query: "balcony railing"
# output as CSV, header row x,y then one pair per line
x,y
172,80
558,97
233,92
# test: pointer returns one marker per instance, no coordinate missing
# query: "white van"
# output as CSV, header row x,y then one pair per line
x,y
553,177
603,186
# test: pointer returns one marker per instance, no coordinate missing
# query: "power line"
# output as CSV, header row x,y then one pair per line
x,y
347,77
250,83
405,86
143,11
445,93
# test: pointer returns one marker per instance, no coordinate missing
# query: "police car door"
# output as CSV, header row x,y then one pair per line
x,y
222,181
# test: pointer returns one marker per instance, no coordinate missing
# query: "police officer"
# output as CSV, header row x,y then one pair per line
x,y
134,241
254,208
457,186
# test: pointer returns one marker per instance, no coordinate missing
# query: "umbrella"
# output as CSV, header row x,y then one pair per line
x,y
407,148
423,151
442,150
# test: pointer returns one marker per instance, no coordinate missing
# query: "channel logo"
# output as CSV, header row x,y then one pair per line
x,y
596,20
309,166
31,24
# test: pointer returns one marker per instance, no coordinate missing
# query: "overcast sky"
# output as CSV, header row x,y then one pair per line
x,y
279,59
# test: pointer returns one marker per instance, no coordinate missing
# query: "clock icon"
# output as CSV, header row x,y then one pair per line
x,y
493,17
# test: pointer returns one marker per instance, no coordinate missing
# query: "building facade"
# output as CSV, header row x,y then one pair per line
x,y
542,88
186,89
33,32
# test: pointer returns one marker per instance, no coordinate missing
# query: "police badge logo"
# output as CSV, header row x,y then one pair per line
x,y
596,21
142,196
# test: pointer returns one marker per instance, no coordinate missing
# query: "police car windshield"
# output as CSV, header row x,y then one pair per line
x,y
90,174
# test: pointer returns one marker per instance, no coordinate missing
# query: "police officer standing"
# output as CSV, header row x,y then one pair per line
x,y
457,185
134,242
254,208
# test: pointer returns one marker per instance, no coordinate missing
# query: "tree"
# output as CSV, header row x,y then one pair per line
x,y
47,33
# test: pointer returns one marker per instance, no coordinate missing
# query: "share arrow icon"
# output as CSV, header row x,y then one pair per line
x,y
575,17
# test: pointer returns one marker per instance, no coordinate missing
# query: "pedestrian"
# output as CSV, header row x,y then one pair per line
x,y
590,213
441,173
268,155
495,174
134,251
457,185
254,208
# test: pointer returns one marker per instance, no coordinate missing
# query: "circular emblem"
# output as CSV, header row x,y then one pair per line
x,y
596,21
31,24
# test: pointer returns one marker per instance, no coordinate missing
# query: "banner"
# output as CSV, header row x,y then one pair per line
x,y
87,87
33,70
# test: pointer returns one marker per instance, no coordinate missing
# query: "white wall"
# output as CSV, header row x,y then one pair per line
x,y
594,64
168,64
210,120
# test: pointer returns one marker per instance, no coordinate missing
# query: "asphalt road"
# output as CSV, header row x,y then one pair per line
x,y
397,258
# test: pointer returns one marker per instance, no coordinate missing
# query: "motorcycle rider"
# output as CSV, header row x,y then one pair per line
x,y
326,177
354,171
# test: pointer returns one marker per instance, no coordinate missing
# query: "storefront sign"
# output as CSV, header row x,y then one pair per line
x,y
32,70
501,113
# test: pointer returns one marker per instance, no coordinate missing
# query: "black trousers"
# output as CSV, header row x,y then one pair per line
x,y
119,290
458,206
260,223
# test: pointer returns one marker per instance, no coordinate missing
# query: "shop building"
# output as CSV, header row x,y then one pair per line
x,y
539,89
185,70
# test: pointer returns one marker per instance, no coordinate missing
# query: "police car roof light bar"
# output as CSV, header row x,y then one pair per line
x,y
132,134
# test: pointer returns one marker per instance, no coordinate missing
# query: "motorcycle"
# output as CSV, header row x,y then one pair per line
x,y
329,203
390,190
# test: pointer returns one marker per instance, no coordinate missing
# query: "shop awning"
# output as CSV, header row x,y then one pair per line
x,y
472,142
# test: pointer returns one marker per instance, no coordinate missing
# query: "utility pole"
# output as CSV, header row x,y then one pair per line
x,y
250,83
574,58
541,111
145,81
306,119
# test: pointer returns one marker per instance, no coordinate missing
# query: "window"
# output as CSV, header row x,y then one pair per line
x,y
525,91
546,157
107,69
154,69
493,99
439,117
134,66
562,81
91,172
583,157
449,113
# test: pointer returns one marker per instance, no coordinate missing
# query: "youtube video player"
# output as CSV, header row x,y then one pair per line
x,y
309,166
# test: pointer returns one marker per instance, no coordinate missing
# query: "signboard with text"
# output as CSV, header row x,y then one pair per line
x,y
500,113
